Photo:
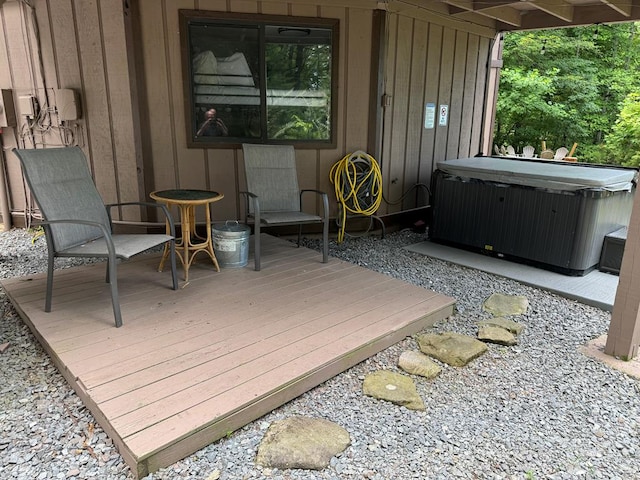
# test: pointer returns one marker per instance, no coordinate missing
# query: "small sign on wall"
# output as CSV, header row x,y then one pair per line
x,y
444,113
429,115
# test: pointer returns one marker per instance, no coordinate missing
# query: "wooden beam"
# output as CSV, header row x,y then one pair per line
x,y
475,18
624,331
624,7
587,15
557,8
507,15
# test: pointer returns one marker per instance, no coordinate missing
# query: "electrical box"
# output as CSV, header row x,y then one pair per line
x,y
27,106
67,104
7,109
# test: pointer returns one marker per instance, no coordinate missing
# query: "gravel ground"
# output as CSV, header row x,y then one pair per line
x,y
540,410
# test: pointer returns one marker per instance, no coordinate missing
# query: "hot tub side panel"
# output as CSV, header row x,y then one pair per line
x,y
561,230
601,213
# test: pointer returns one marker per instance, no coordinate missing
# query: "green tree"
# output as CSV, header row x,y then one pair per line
x,y
623,143
566,85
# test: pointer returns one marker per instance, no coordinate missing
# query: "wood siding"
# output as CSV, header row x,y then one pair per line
x,y
426,61
79,45
132,97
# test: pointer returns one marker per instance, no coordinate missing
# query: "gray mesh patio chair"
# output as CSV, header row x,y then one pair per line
x,y
273,197
76,221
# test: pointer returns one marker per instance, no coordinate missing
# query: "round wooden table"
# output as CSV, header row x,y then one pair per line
x,y
191,243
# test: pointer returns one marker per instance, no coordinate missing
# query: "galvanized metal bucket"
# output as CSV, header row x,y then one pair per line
x,y
231,243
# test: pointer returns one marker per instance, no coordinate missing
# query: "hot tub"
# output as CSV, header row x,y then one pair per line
x,y
552,214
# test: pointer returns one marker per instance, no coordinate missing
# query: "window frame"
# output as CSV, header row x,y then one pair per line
x,y
189,17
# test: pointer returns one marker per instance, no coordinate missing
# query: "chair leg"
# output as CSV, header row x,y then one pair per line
x,y
256,248
50,261
172,259
325,240
299,234
113,282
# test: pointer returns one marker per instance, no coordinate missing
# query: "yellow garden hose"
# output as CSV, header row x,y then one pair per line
x,y
357,180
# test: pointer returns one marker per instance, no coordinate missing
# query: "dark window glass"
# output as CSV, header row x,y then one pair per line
x,y
251,81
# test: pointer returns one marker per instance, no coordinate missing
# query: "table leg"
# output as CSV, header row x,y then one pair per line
x,y
166,251
186,211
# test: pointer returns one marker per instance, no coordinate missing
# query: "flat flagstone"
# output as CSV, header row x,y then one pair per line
x,y
499,335
418,363
501,305
301,442
451,348
514,327
393,387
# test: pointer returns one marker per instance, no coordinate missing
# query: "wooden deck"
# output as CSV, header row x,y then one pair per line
x,y
188,366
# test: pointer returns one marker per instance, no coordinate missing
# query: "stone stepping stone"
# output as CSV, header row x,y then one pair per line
x,y
514,327
501,305
393,387
301,442
499,335
451,348
417,363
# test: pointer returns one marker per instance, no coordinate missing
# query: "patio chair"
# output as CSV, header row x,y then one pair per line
x,y
528,151
76,221
560,153
511,151
273,197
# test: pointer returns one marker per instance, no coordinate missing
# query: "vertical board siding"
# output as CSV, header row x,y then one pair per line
x,y
446,67
444,92
157,130
83,46
431,89
120,108
479,101
457,94
394,184
96,91
468,96
345,136
415,124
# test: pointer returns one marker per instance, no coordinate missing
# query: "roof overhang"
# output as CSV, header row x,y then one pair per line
x,y
507,15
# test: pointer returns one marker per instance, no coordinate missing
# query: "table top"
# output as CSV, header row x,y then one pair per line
x,y
186,196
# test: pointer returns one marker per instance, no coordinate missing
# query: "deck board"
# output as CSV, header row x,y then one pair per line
x,y
190,365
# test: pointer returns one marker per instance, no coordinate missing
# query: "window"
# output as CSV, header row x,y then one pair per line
x,y
266,79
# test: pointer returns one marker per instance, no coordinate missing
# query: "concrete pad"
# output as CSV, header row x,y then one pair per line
x,y
597,288
595,349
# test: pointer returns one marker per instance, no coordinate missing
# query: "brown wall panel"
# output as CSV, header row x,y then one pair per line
x,y
120,108
157,128
99,114
394,184
193,164
431,89
84,47
477,133
388,127
457,94
468,97
415,122
444,92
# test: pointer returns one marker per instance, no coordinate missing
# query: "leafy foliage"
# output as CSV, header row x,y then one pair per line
x,y
623,143
567,85
299,67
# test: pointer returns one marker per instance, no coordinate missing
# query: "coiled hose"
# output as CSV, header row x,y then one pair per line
x,y
357,180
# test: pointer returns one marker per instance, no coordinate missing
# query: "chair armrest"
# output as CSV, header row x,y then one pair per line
x,y
325,199
105,231
255,200
165,210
